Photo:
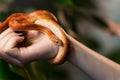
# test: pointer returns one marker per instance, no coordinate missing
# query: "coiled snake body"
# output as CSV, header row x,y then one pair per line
x,y
47,25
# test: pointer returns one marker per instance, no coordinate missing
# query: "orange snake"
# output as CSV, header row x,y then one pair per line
x,y
28,21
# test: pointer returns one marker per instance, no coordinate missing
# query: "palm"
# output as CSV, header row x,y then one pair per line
x,y
40,47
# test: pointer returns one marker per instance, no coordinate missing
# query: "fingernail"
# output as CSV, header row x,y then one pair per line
x,y
20,33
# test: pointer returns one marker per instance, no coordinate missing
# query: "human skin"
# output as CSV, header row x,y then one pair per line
x,y
48,25
91,62
40,44
94,64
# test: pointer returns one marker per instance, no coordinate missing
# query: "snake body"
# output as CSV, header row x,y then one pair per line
x,y
43,21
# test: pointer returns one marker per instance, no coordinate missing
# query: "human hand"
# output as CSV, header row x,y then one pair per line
x,y
41,47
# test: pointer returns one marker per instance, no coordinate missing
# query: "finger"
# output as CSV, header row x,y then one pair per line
x,y
6,32
10,40
5,39
13,42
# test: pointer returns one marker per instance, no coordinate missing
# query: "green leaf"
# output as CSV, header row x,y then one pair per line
x,y
6,74
65,2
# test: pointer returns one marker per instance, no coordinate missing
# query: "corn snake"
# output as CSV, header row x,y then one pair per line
x,y
28,21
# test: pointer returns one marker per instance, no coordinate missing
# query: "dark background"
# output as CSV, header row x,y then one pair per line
x,y
82,19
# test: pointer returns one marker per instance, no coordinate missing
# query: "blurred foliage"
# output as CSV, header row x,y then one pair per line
x,y
6,74
3,16
69,14
65,2
115,55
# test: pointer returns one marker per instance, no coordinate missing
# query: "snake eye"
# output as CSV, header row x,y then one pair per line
x,y
59,42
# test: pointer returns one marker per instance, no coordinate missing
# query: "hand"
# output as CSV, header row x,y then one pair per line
x,y
41,47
